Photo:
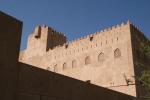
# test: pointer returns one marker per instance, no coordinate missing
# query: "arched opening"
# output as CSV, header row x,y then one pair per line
x,y
74,63
117,53
87,60
64,66
101,57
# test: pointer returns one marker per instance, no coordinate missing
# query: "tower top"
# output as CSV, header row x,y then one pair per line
x,y
42,29
129,22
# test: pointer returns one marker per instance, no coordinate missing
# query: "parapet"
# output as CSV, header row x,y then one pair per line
x,y
45,29
54,39
90,36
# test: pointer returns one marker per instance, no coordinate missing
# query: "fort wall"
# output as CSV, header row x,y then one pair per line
x,y
40,84
10,36
103,58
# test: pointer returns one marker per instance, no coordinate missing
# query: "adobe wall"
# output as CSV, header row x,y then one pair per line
x,y
108,71
10,36
10,29
39,84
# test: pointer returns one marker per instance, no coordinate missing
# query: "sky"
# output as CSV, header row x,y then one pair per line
x,y
77,18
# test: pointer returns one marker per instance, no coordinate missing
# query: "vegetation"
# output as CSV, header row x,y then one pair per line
x,y
146,50
144,66
145,79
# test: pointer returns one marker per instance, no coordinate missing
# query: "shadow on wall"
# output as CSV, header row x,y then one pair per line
x,y
39,84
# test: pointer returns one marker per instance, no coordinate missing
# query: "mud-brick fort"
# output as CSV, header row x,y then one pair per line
x,y
104,58
101,66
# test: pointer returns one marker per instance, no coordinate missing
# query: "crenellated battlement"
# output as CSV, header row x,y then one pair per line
x,y
103,38
45,29
52,41
87,37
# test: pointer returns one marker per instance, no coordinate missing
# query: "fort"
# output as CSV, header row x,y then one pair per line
x,y
105,65
105,58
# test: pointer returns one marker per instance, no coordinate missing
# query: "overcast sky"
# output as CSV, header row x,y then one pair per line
x,y
77,18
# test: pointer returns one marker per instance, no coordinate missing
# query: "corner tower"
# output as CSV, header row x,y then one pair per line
x,y
43,39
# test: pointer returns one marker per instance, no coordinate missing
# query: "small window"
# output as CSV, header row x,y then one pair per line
x,y
91,38
101,57
82,49
52,31
112,40
117,38
78,50
91,46
95,45
117,53
64,66
66,46
74,63
87,60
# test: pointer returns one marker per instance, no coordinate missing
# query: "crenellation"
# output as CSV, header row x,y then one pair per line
x,y
37,31
118,26
113,27
122,24
129,22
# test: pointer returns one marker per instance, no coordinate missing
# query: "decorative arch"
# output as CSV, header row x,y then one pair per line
x,y
117,53
87,60
64,66
74,63
101,57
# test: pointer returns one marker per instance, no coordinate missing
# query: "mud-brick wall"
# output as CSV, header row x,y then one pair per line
x,y
39,84
10,36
